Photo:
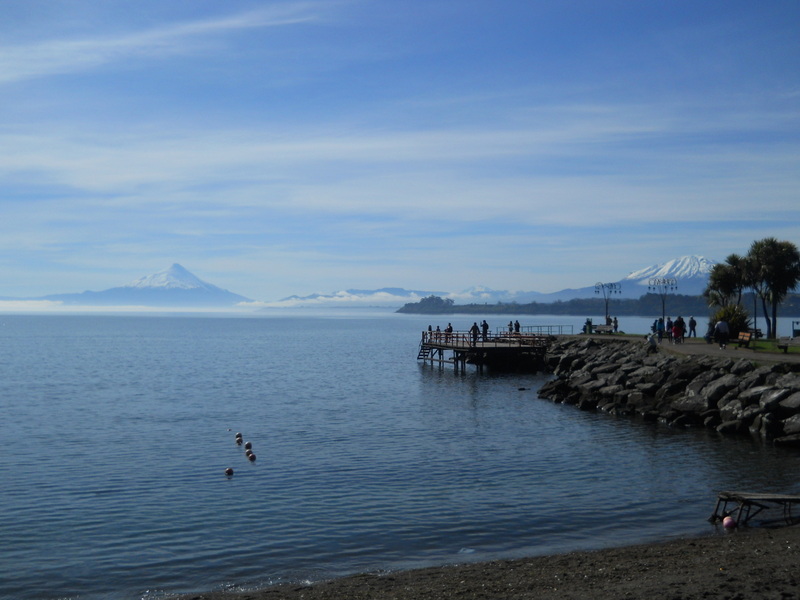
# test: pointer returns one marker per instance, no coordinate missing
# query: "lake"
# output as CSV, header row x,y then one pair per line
x,y
117,430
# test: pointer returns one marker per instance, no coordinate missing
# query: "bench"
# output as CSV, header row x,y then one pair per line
x,y
604,329
756,333
785,342
744,339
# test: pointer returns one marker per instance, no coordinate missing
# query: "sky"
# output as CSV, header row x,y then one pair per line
x,y
290,147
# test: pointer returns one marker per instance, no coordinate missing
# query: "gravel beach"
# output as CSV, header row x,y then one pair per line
x,y
742,565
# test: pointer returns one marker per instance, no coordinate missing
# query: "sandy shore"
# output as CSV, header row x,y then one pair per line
x,y
742,565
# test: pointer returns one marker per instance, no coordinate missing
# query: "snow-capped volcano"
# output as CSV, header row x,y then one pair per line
x,y
175,278
685,267
173,287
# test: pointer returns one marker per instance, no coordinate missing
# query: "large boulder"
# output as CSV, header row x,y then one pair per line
x,y
717,388
771,399
753,394
647,374
791,425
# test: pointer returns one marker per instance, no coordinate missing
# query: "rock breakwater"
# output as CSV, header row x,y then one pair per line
x,y
731,395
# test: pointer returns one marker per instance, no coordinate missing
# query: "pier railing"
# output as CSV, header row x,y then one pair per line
x,y
465,339
537,330
548,329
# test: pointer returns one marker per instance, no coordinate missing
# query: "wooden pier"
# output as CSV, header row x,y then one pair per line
x,y
502,351
776,509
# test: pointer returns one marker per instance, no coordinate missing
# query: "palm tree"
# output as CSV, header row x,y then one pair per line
x,y
775,272
726,282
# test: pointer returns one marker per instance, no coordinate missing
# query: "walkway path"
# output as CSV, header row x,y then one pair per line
x,y
699,346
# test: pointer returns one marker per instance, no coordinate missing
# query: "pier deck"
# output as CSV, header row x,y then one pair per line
x,y
506,351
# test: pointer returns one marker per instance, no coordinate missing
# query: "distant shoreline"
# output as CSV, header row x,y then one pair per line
x,y
645,306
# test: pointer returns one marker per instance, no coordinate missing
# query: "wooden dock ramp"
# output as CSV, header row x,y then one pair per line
x,y
744,507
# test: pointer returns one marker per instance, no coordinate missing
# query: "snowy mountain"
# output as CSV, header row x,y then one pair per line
x,y
176,278
690,273
172,287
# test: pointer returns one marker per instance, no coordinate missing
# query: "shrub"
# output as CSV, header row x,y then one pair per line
x,y
737,317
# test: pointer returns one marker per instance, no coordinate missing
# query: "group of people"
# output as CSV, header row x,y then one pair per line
x,y
438,335
483,331
475,331
675,331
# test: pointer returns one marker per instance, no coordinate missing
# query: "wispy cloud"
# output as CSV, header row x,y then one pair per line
x,y
614,168
66,56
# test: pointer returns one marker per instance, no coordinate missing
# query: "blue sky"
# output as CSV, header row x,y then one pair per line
x,y
291,147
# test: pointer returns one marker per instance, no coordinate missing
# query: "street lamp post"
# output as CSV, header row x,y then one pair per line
x,y
662,286
607,289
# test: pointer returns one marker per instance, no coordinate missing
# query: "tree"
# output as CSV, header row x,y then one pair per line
x,y
775,272
726,281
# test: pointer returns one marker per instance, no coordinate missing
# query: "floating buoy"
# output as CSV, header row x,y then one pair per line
x,y
252,457
229,471
729,523
248,452
238,435
238,441
248,445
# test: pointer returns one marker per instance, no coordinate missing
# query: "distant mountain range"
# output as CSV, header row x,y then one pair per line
x,y
172,287
176,287
689,272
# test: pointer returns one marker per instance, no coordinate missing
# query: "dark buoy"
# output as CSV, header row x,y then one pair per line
x,y
252,457
229,471
248,445
238,441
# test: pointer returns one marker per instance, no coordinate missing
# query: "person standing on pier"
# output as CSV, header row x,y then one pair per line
x,y
448,331
516,326
692,327
474,333
485,330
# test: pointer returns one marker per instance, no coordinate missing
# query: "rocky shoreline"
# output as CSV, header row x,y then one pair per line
x,y
625,377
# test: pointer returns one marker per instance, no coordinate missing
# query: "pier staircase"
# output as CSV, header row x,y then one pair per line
x,y
425,352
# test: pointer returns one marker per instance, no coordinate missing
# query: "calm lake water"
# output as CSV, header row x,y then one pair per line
x,y
116,431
